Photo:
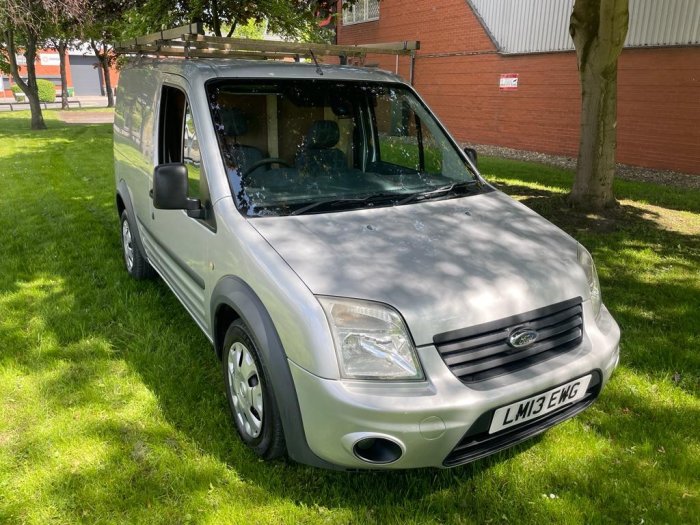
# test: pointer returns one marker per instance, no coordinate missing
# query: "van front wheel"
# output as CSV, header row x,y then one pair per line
x,y
253,407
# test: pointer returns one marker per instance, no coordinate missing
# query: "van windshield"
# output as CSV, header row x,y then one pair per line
x,y
319,146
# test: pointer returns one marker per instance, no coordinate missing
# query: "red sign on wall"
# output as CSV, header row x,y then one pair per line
x,y
508,82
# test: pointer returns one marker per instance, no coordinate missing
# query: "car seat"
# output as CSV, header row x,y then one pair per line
x,y
235,126
318,152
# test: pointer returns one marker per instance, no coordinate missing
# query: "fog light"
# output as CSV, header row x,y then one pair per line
x,y
377,450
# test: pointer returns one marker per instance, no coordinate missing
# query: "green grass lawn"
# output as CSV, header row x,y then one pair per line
x,y
112,407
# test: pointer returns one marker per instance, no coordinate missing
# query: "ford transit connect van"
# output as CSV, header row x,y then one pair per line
x,y
375,303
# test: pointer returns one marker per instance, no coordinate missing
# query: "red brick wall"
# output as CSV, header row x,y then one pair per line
x,y
541,115
659,108
448,25
658,97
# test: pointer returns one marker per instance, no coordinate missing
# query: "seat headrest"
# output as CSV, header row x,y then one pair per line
x,y
322,134
234,122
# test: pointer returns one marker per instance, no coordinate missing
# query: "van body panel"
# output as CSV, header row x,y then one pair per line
x,y
135,128
296,313
461,262
443,265
430,420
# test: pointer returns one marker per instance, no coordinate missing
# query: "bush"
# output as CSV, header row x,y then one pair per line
x,y
18,93
47,90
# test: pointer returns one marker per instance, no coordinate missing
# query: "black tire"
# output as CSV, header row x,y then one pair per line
x,y
134,261
241,363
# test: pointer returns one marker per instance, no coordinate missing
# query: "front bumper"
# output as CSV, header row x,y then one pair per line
x,y
440,422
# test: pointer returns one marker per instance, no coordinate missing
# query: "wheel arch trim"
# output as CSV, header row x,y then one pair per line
x,y
125,196
233,292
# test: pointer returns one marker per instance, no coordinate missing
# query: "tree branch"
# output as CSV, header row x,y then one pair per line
x,y
233,28
14,69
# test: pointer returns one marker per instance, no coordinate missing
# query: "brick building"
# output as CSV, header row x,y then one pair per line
x,y
503,72
82,73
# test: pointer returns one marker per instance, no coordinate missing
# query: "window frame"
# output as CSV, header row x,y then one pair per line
x,y
167,139
350,13
204,196
364,120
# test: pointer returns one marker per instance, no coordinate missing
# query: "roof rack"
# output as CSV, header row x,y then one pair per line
x,y
189,41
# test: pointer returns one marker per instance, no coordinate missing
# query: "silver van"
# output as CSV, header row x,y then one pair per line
x,y
375,303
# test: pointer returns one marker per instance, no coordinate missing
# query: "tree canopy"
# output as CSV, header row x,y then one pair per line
x,y
28,25
25,25
286,17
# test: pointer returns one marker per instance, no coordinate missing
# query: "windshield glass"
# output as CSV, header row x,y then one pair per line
x,y
318,146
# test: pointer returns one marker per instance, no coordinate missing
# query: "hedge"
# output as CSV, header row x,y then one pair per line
x,y
47,90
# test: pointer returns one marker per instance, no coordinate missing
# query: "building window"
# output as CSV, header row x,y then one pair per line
x,y
361,11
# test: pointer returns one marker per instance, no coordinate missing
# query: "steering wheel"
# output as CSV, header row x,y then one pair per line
x,y
264,162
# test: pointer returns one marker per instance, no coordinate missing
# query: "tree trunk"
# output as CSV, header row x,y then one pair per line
x,y
231,29
598,29
62,48
104,61
103,58
33,91
215,22
29,88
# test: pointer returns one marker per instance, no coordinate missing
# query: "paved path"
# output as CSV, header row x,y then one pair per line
x,y
86,117
85,102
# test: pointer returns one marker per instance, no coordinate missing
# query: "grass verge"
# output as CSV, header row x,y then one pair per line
x,y
113,408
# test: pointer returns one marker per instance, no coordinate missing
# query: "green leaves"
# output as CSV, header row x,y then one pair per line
x,y
290,18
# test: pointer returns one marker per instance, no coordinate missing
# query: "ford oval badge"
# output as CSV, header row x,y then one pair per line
x,y
522,337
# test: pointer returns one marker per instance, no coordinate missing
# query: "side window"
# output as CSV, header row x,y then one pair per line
x,y
404,140
177,142
172,113
191,156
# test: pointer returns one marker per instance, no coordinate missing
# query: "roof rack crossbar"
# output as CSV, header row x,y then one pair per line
x,y
391,48
168,34
189,41
175,51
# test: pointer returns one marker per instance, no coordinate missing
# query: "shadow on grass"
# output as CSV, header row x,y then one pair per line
x,y
20,121
103,335
561,180
627,241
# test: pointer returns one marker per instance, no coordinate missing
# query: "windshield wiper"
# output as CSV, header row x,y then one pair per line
x,y
371,200
327,202
441,191
390,197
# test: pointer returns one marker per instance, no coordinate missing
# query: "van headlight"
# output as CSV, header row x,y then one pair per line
x,y
371,340
586,262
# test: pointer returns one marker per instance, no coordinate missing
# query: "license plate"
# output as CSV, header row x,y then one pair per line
x,y
539,405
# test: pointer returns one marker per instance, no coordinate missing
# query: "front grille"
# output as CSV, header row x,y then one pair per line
x,y
478,443
482,352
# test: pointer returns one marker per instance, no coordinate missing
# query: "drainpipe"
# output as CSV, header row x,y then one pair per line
x,y
411,72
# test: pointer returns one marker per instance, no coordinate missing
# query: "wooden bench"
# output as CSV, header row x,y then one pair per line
x,y
59,96
69,102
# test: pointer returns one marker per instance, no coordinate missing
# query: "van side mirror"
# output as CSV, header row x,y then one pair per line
x,y
471,153
170,188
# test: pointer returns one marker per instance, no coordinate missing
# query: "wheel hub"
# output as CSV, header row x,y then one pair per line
x,y
245,389
128,247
